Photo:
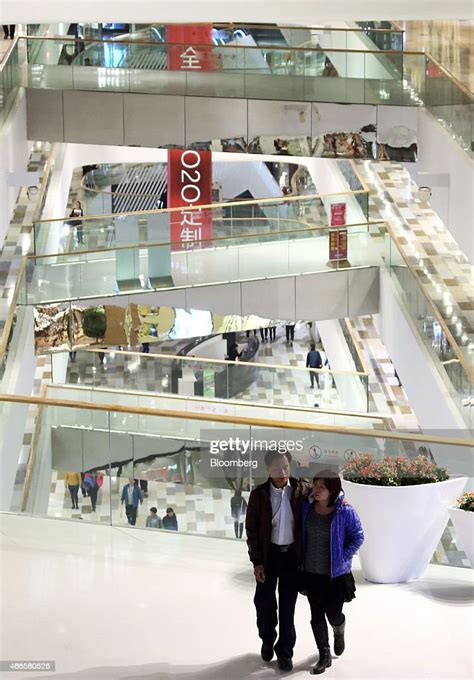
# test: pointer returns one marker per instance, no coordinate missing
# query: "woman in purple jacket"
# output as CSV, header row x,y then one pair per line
x,y
332,534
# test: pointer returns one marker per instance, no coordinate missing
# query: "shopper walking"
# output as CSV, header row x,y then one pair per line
x,y
72,480
238,509
77,211
132,495
91,484
273,543
170,521
290,332
8,31
153,521
313,360
331,535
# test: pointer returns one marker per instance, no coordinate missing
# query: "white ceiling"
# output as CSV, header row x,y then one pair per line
x,y
283,11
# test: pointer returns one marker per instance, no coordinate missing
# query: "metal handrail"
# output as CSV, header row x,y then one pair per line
x,y
208,206
211,240
238,420
280,48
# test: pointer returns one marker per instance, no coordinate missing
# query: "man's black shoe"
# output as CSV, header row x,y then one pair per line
x,y
267,651
285,664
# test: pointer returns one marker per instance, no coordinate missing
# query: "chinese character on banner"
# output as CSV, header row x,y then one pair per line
x,y
189,186
190,47
190,60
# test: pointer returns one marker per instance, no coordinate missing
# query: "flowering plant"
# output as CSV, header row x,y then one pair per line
x,y
392,471
466,502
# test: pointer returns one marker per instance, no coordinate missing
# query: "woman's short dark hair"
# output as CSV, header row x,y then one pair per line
x,y
332,482
153,509
271,455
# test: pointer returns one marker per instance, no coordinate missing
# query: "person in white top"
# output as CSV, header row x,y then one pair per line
x,y
274,550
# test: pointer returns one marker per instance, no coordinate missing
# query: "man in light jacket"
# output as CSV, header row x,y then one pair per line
x,y
131,496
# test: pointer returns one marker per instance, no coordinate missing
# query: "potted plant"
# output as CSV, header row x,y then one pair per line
x,y
462,516
403,505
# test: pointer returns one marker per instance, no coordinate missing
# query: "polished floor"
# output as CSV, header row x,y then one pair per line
x,y
119,604
449,42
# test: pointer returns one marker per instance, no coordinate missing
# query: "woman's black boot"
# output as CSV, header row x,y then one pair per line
x,y
339,643
320,631
325,660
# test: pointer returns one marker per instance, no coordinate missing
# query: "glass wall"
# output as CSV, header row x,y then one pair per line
x,y
155,267
265,72
214,379
189,462
453,356
268,219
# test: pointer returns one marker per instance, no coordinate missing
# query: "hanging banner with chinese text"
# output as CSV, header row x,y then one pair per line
x,y
189,185
189,47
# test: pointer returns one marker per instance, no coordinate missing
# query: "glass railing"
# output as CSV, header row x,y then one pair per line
x,y
451,103
234,408
10,327
382,36
272,35
271,218
124,270
183,460
282,73
243,380
231,71
298,36
10,80
454,356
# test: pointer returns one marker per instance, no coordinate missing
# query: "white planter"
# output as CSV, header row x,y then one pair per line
x,y
463,521
402,526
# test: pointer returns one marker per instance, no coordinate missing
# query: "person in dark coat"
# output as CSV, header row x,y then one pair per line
x,y
170,521
274,548
313,360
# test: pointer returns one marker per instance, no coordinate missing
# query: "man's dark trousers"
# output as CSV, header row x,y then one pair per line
x,y
281,568
131,513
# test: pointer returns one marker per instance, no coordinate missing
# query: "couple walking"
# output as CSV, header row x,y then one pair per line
x,y
301,537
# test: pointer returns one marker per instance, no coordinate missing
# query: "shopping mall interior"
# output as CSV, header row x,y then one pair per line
x,y
235,236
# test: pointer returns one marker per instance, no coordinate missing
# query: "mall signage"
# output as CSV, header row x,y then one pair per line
x,y
189,186
338,236
338,214
189,47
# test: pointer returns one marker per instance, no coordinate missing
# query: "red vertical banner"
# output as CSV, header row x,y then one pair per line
x,y
337,236
189,185
189,47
